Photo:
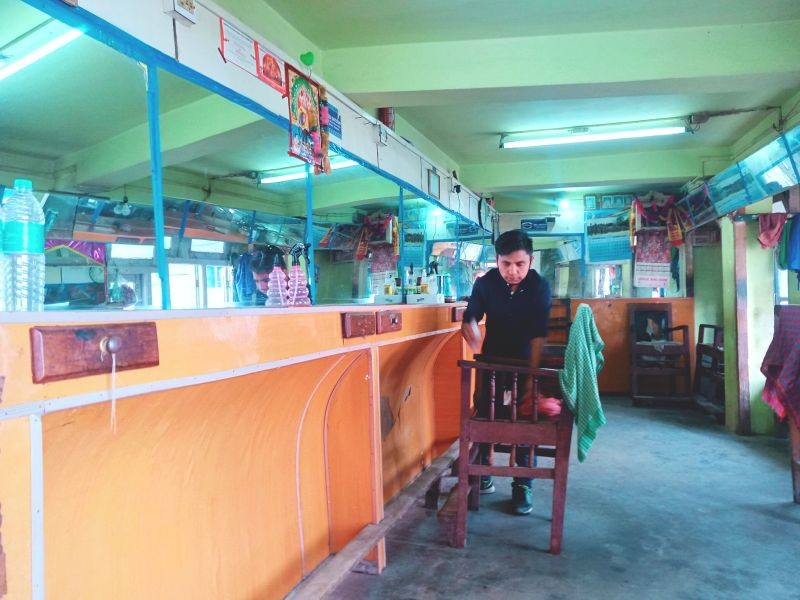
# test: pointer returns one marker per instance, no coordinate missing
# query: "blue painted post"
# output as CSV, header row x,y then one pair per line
x,y
153,119
400,214
312,280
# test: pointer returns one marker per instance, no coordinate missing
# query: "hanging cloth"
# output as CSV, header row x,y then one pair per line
x,y
783,246
770,228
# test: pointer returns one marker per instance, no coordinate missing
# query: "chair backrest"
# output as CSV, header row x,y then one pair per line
x,y
500,385
650,322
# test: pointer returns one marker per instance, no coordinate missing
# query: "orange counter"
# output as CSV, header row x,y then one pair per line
x,y
261,443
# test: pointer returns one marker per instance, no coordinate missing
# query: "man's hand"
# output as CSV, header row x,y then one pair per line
x,y
472,334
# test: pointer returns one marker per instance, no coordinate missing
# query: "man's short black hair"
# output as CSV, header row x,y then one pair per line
x,y
513,240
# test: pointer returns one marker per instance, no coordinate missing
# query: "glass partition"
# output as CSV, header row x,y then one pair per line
x,y
74,122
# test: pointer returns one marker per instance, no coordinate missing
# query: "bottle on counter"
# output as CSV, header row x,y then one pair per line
x,y
298,281
23,246
277,294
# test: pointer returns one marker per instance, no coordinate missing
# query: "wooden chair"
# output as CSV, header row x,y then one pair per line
x,y
656,354
506,429
709,371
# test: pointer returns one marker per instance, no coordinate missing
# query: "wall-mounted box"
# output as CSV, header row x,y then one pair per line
x,y
389,320
358,324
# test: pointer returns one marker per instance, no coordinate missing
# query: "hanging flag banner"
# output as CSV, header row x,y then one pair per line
x,y
305,142
269,68
237,47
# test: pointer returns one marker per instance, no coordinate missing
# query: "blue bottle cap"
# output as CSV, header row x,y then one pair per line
x,y
23,185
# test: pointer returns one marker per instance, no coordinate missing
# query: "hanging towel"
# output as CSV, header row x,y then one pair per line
x,y
583,360
770,228
781,365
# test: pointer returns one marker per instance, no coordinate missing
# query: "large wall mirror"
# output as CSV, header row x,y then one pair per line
x,y
74,122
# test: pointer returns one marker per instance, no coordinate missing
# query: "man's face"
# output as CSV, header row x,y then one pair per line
x,y
261,280
514,267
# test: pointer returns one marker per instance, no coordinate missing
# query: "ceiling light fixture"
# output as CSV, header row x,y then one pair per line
x,y
578,135
34,46
302,175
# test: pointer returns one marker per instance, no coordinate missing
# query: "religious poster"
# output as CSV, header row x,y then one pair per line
x,y
269,68
237,47
305,141
653,255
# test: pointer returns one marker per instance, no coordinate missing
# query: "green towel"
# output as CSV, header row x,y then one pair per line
x,y
583,360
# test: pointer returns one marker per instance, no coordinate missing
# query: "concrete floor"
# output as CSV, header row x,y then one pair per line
x,y
667,505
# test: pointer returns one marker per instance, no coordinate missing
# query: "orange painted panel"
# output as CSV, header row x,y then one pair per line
x,y
408,409
348,437
194,497
611,316
15,505
311,467
447,392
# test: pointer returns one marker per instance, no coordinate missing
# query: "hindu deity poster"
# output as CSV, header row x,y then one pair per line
x,y
305,142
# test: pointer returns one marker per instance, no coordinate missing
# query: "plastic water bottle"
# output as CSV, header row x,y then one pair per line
x,y
23,246
3,266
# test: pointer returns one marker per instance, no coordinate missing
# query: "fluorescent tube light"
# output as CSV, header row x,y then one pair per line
x,y
578,138
37,54
302,175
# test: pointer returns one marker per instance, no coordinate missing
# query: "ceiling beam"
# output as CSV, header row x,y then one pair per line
x,y
668,60
598,170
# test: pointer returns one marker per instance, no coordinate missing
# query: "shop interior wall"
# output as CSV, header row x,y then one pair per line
x,y
611,317
707,286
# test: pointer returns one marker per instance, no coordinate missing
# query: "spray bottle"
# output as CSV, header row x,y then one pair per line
x,y
298,281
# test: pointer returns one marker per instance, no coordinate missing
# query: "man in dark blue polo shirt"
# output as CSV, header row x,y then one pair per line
x,y
516,301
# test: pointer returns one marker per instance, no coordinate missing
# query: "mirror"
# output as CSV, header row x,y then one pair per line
x,y
356,235
227,222
80,134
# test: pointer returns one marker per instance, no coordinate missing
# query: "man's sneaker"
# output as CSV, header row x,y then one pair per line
x,y
487,485
521,499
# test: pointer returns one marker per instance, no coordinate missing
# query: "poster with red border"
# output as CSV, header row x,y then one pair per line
x,y
269,68
304,134
236,47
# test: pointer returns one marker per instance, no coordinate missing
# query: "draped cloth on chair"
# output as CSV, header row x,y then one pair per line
x,y
583,360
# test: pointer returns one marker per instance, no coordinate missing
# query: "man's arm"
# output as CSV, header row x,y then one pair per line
x,y
537,349
472,333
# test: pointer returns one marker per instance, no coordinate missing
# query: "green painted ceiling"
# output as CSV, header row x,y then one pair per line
x,y
461,72
354,23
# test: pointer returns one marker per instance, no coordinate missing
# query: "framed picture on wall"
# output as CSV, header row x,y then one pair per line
x,y
590,202
607,202
434,184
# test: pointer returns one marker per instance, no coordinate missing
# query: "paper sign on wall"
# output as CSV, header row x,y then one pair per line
x,y
237,47
335,123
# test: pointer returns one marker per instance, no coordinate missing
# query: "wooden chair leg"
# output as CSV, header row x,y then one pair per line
x,y
458,534
794,443
564,439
